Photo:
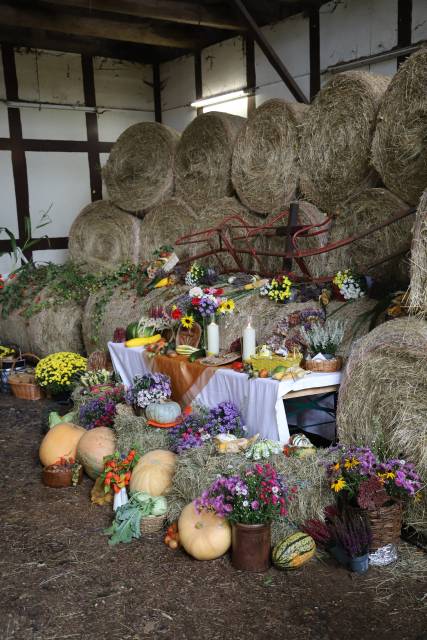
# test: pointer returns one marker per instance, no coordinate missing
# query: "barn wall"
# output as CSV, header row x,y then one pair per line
x,y
61,175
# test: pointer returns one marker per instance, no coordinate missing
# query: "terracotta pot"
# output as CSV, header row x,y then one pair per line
x,y
59,477
251,545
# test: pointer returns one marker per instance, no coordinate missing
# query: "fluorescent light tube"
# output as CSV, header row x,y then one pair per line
x,y
219,99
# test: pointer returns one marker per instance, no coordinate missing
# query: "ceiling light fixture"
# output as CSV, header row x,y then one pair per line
x,y
220,98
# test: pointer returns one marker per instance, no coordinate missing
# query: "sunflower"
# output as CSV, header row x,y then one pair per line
x,y
227,306
338,484
187,322
351,463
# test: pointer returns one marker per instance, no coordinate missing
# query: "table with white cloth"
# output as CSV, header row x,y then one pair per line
x,y
260,400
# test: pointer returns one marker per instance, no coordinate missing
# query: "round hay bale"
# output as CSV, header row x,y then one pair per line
x,y
140,168
399,150
122,308
265,157
14,329
203,159
307,214
357,318
384,389
418,289
366,209
211,216
56,328
164,224
102,237
336,137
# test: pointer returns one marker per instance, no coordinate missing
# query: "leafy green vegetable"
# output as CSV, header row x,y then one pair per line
x,y
55,418
127,522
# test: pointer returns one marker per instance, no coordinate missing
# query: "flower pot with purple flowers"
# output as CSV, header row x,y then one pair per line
x,y
251,501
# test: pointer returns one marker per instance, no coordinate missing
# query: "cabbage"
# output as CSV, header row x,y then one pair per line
x,y
159,506
55,418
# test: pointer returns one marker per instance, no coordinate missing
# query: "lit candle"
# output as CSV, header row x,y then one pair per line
x,y
213,339
249,342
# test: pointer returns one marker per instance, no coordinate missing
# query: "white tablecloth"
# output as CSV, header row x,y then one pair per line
x,y
260,401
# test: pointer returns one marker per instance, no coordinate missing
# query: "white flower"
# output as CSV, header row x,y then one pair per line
x,y
275,490
245,503
195,292
244,492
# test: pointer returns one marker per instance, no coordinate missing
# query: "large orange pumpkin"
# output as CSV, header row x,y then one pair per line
x,y
205,536
60,442
153,473
93,447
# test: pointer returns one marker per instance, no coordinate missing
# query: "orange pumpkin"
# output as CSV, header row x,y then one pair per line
x,y
153,473
60,442
93,447
205,536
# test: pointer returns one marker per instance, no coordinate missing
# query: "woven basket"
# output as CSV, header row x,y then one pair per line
x,y
23,385
152,524
271,362
323,366
385,523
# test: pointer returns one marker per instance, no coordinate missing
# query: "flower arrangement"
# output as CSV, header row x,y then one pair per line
x,y
94,378
203,425
60,372
278,289
324,338
354,466
198,274
257,496
118,470
65,464
351,286
100,411
352,532
149,388
287,334
7,352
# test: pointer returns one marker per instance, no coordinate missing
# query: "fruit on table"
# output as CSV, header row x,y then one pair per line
x,y
263,373
93,447
293,551
60,442
205,536
153,473
163,412
142,342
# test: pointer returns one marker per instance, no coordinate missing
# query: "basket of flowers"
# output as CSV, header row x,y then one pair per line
x,y
323,342
59,372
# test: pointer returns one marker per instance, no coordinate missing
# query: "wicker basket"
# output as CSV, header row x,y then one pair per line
x,y
152,524
323,366
269,363
385,523
23,385
60,477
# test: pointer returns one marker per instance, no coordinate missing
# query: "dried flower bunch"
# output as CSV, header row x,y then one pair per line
x,y
324,338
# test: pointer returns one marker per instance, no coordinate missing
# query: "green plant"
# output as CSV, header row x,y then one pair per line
x,y
18,252
325,338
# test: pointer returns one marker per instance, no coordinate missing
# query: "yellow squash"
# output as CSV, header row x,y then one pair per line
x,y
142,342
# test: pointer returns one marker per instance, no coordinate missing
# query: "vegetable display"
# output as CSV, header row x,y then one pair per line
x,y
163,412
293,551
93,447
61,441
153,473
204,536
127,522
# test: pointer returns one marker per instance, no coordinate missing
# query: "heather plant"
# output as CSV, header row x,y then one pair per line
x,y
324,338
352,532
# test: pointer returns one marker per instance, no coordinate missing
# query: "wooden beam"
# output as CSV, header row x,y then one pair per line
x,y
157,91
198,79
168,10
92,129
49,19
269,52
250,73
404,26
314,27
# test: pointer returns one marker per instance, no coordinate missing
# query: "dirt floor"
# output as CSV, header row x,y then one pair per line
x,y
60,579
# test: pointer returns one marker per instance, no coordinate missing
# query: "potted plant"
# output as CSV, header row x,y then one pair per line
x,y
147,389
351,532
361,481
323,342
250,501
59,373
65,472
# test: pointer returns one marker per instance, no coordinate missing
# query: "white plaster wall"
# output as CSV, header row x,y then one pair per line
x,y
419,20
49,76
112,123
59,256
4,123
179,118
53,124
178,91
224,67
7,203
351,29
58,182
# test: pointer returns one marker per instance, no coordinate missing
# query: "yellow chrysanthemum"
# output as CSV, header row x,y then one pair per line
x,y
187,322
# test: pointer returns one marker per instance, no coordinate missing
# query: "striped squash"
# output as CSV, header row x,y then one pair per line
x,y
293,551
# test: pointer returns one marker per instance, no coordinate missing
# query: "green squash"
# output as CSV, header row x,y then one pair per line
x,y
163,412
132,331
293,551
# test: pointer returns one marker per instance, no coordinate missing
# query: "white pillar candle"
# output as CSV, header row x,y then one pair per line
x,y
213,339
249,342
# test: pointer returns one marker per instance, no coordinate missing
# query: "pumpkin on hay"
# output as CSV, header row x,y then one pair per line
x,y
153,473
163,412
60,442
93,447
204,535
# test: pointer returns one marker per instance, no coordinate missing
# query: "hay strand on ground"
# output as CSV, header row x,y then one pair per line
x,y
164,224
203,160
336,137
384,390
418,289
140,169
102,237
265,157
365,210
399,149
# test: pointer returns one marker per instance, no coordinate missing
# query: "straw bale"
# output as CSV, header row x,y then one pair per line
x,y
56,328
140,169
366,209
102,237
399,150
265,157
357,316
164,224
336,137
203,160
198,468
384,391
14,328
132,431
418,290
